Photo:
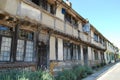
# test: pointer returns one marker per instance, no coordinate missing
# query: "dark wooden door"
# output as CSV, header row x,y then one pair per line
x,y
42,56
85,55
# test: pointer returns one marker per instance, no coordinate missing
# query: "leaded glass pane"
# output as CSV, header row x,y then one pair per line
x,y
20,50
29,51
5,49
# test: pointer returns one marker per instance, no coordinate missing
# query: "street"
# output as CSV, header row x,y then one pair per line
x,y
112,74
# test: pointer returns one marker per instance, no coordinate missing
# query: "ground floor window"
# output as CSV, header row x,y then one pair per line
x,y
71,51
67,50
20,50
76,52
25,46
96,55
5,43
5,49
29,51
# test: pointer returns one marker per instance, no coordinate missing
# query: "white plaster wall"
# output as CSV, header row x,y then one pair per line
x,y
99,56
60,49
52,48
59,13
2,4
27,11
82,60
89,53
11,6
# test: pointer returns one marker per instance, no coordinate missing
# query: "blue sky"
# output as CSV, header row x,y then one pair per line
x,y
103,14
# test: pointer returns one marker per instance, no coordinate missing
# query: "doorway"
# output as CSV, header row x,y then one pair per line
x,y
85,55
102,57
42,55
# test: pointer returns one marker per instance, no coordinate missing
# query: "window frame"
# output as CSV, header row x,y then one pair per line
x,y
72,51
96,37
25,45
96,56
9,35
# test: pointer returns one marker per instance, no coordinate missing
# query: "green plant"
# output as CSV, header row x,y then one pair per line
x,y
46,76
88,70
25,75
82,71
66,75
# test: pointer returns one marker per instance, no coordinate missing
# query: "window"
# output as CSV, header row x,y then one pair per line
x,y
71,51
36,1
42,3
5,43
86,27
76,52
68,17
25,46
67,51
71,20
74,22
20,50
96,55
51,8
29,51
5,49
63,11
95,37
100,40
104,42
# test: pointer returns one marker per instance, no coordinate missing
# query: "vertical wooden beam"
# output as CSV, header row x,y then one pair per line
x,y
48,51
56,45
35,49
0,42
14,42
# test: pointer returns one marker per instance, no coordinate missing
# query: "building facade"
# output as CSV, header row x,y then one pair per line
x,y
112,53
47,34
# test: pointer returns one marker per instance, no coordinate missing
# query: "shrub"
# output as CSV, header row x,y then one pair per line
x,y
66,75
88,70
25,75
82,71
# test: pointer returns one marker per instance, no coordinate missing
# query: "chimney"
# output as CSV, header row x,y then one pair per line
x,y
68,3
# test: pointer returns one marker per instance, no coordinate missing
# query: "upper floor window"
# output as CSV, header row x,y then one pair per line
x,y
74,22
95,37
104,42
101,40
36,1
45,5
86,27
51,8
71,20
68,17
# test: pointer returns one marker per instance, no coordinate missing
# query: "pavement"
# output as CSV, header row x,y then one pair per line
x,y
100,72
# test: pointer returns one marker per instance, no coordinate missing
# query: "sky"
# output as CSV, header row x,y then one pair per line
x,y
104,15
